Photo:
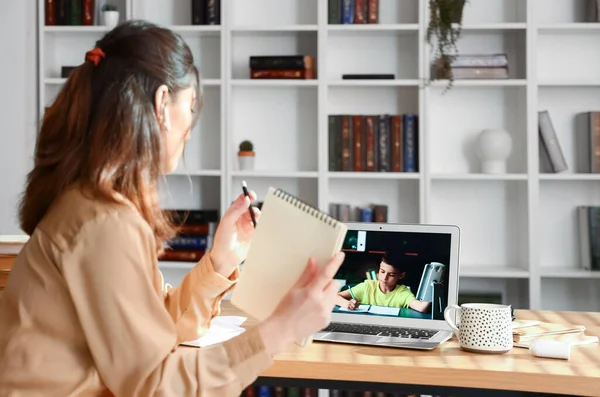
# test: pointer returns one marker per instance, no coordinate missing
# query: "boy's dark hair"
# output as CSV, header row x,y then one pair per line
x,y
393,260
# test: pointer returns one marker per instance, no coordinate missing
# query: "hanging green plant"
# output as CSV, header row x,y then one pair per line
x,y
443,32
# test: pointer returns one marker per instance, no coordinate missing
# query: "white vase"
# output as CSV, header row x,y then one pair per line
x,y
493,147
246,163
111,18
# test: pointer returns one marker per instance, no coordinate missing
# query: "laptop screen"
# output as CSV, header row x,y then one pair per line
x,y
400,274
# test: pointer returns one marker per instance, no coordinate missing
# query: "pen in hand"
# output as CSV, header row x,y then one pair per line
x,y
245,189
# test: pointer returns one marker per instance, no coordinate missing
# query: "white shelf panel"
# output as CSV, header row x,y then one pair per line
x,y
176,265
274,174
273,29
494,12
569,177
373,175
183,172
305,189
492,216
481,83
355,28
75,29
569,27
472,27
202,30
60,80
561,273
472,271
274,83
373,83
480,177
569,83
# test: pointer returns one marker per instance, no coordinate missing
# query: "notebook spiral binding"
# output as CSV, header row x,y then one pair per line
x,y
304,206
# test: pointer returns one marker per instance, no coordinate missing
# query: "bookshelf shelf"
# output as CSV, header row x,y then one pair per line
x,y
508,272
373,83
373,175
480,177
519,229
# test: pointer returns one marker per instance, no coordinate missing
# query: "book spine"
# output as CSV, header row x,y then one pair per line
x,y
410,147
346,143
360,11
384,143
396,143
333,142
50,12
199,8
213,12
347,11
75,12
305,74
357,129
87,12
550,142
373,11
284,62
370,144
182,255
334,15
188,242
584,236
594,131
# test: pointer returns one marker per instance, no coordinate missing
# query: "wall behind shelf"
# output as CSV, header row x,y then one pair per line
x,y
18,29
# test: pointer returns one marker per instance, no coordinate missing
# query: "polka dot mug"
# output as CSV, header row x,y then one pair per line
x,y
481,327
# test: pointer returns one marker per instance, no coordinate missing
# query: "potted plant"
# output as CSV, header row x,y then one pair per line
x,y
110,15
444,28
246,155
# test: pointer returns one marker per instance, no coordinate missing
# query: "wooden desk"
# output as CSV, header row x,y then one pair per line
x,y
446,368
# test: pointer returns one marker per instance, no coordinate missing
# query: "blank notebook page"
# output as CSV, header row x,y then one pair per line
x,y
288,233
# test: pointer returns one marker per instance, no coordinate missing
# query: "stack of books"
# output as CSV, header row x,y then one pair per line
x,y
299,67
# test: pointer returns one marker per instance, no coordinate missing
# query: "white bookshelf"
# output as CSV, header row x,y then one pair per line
x,y
519,233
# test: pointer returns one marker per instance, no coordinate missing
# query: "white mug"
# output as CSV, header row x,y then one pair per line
x,y
483,327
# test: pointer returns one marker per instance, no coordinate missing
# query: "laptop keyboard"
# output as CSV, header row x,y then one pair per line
x,y
381,330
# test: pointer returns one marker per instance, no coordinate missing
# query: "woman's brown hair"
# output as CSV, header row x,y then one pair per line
x,y
102,129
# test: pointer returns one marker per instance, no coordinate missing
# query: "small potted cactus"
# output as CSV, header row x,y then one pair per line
x,y
246,156
110,15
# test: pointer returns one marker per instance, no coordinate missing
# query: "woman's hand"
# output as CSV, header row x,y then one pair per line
x,y
233,236
306,308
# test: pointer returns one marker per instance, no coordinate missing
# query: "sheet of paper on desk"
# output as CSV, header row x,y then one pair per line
x,y
385,311
359,309
222,328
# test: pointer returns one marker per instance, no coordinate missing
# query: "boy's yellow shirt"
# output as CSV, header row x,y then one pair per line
x,y
368,293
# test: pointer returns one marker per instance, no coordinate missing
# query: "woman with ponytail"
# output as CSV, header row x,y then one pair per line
x,y
85,311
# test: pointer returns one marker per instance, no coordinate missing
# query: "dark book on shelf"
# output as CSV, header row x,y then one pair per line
x,y
368,76
587,141
588,218
281,62
206,12
302,74
592,11
549,144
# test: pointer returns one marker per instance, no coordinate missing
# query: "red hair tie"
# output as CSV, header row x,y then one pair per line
x,y
95,55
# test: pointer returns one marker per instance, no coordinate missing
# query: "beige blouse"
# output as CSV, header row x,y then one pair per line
x,y
86,313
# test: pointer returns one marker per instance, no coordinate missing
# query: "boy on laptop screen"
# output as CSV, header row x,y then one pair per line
x,y
394,274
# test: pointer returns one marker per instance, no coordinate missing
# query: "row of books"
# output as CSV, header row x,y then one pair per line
x,y
298,67
371,213
69,12
373,143
281,391
353,12
587,143
194,237
475,66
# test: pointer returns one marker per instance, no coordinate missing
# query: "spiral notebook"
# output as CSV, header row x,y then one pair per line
x,y
289,232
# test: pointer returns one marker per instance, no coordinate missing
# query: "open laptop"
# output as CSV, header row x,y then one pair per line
x,y
419,263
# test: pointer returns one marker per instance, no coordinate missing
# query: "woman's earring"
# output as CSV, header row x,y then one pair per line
x,y
167,120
